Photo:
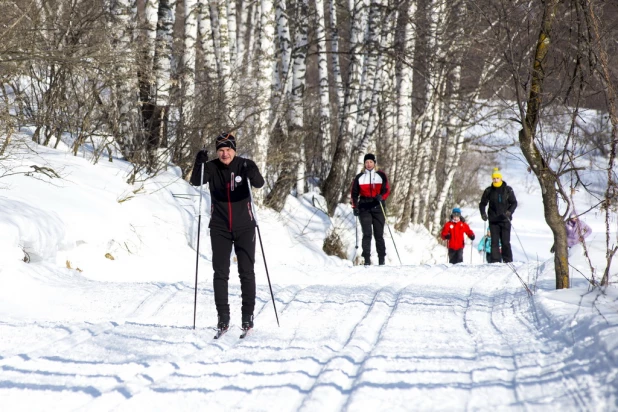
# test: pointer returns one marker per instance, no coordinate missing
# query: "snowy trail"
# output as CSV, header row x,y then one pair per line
x,y
419,337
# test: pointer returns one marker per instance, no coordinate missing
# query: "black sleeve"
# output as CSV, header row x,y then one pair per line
x,y
355,192
253,173
512,200
197,172
484,201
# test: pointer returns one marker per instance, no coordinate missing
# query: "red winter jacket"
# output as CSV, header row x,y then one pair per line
x,y
457,230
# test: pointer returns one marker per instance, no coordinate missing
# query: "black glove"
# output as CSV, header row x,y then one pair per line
x,y
484,216
508,214
378,198
448,236
202,157
553,249
472,237
356,211
251,172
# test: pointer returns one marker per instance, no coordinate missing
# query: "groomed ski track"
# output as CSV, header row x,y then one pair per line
x,y
423,337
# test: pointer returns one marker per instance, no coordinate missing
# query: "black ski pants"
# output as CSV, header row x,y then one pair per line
x,y
244,246
372,221
455,256
501,234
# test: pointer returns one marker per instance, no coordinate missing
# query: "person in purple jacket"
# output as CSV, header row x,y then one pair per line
x,y
576,231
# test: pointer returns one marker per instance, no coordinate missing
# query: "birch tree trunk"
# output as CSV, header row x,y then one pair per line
x,y
293,172
334,47
162,71
127,89
403,132
324,129
335,182
191,9
264,77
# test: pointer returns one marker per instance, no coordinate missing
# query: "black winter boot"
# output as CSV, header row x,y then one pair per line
x,y
247,322
224,322
381,260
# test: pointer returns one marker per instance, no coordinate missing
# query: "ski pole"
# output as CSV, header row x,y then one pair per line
x,y
262,248
520,244
391,233
197,256
356,239
484,241
471,249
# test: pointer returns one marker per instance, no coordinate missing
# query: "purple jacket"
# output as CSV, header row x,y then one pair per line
x,y
573,232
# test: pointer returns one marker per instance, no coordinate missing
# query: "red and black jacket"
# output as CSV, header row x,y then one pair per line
x,y
230,201
366,186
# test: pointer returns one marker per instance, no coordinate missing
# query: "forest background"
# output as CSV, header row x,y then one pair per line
x,y
309,87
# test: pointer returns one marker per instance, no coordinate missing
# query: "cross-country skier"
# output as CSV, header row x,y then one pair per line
x,y
370,189
231,223
453,232
502,204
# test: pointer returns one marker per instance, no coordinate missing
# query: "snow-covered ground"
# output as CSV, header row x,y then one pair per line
x,y
102,316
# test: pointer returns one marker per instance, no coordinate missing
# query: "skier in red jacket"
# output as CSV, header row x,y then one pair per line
x,y
453,233
370,189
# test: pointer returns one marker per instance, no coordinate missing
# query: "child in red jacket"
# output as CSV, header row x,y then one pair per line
x,y
453,233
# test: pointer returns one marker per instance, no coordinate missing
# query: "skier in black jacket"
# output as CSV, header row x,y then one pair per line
x,y
502,204
231,223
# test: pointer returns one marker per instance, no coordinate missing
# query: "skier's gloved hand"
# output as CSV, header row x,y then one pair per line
x,y
553,249
508,214
472,237
356,211
484,216
202,157
448,236
251,172
378,198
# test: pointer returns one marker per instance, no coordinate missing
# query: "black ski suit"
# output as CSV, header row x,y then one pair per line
x,y
502,204
231,224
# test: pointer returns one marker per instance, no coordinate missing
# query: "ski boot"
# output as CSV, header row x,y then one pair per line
x,y
223,325
247,325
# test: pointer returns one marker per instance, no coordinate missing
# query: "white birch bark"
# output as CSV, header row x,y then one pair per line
x,y
334,46
336,181
403,132
163,51
283,80
245,15
206,40
232,34
429,122
127,91
151,9
368,81
188,61
298,91
324,132
264,77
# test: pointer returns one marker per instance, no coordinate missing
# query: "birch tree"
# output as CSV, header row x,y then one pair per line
x,y
336,183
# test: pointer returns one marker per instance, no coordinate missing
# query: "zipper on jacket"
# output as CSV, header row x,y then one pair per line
x,y
229,206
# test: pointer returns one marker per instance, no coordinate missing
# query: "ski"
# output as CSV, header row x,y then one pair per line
x,y
245,332
220,332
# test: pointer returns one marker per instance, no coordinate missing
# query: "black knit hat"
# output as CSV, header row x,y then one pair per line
x,y
370,156
226,140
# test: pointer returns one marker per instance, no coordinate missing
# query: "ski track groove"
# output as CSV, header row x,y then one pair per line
x,y
134,386
326,367
65,343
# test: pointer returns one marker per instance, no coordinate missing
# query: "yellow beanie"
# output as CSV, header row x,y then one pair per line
x,y
496,173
